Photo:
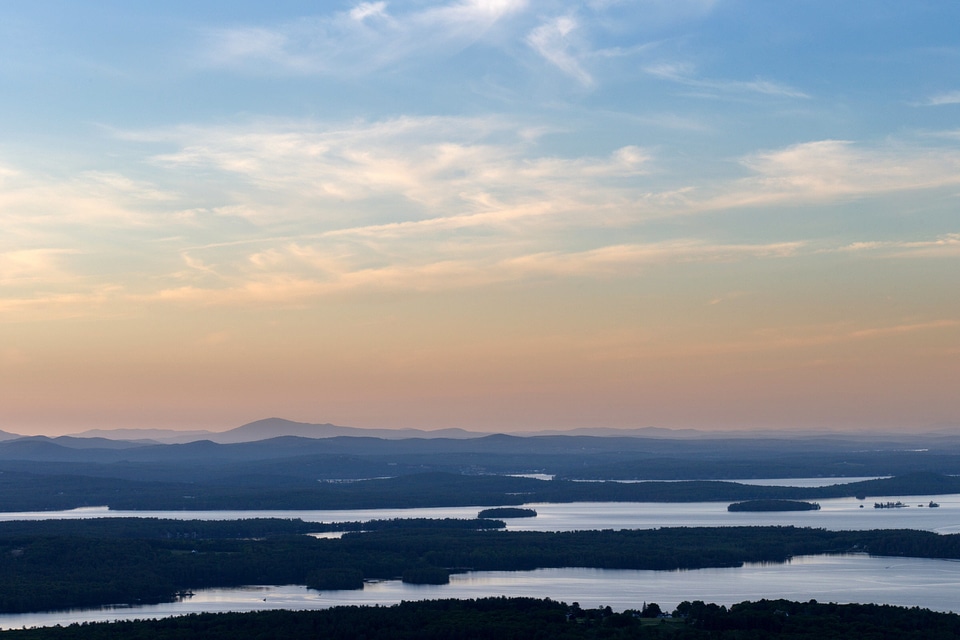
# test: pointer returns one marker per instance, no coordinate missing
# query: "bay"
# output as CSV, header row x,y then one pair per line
x,y
933,584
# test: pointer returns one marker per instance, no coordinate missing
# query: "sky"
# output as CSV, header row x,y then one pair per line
x,y
499,215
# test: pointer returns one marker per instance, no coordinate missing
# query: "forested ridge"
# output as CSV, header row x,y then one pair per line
x,y
286,460
52,569
531,619
21,491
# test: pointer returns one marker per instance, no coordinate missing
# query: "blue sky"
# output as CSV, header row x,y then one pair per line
x,y
489,214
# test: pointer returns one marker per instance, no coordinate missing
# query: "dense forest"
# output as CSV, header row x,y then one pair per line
x,y
531,619
773,505
288,460
507,512
21,491
248,528
74,563
61,564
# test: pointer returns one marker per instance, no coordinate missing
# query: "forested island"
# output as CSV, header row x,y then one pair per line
x,y
48,565
774,505
507,512
527,618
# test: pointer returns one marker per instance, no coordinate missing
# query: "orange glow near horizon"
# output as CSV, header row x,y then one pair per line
x,y
488,215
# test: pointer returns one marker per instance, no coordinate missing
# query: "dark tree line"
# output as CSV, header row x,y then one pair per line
x,y
530,619
24,491
168,528
774,505
40,572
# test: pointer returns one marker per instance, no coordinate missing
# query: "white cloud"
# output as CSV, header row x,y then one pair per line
x,y
37,206
366,10
838,167
368,36
951,97
67,242
553,40
250,42
613,259
899,329
106,184
89,302
947,245
299,210
290,272
433,167
685,74
433,203
828,170
26,266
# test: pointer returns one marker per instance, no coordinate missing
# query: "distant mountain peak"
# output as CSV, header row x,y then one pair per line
x,y
275,427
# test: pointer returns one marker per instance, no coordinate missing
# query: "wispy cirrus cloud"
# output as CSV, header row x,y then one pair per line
x,y
370,35
34,206
941,99
686,75
302,209
298,268
555,41
377,35
828,170
485,207
838,167
295,270
68,241
29,266
945,246
436,167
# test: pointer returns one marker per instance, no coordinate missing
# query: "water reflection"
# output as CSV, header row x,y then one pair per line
x,y
804,482
933,584
837,514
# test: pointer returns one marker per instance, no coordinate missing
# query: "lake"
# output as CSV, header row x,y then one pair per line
x,y
835,514
933,584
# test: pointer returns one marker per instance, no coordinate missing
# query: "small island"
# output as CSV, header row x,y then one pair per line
x,y
773,505
507,512
889,505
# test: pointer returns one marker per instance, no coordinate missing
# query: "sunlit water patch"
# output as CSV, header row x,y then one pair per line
x,y
933,584
836,514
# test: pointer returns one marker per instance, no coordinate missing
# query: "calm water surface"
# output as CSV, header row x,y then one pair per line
x,y
933,584
835,514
